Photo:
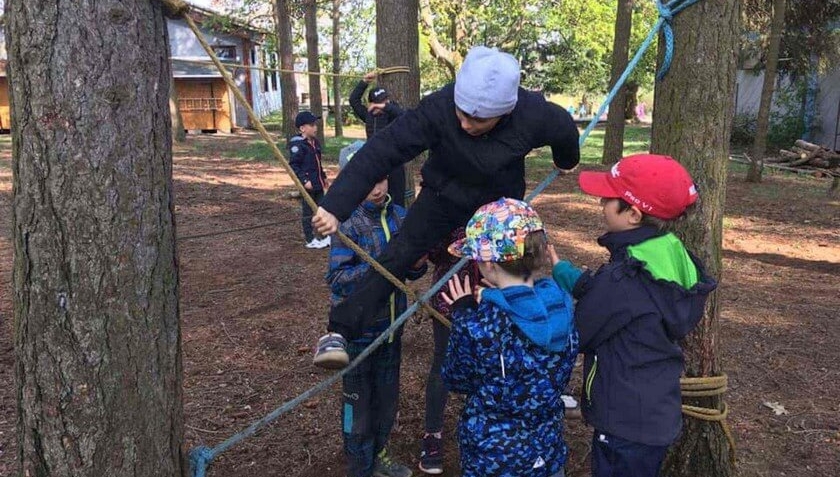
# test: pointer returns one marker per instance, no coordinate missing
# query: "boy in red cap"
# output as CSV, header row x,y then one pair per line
x,y
633,311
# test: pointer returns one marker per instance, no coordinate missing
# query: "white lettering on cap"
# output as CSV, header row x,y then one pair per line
x,y
614,170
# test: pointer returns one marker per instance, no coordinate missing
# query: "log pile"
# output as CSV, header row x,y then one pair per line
x,y
805,155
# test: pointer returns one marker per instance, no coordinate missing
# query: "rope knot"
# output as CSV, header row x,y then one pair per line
x,y
200,458
665,11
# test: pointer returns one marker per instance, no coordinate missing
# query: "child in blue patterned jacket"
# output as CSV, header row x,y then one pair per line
x,y
511,349
371,390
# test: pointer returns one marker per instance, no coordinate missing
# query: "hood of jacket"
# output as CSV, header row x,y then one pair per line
x,y
683,283
543,313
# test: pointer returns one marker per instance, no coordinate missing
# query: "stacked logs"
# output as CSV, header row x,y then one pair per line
x,y
805,155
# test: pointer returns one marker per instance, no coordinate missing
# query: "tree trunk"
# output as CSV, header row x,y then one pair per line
x,y
693,125
316,105
448,58
178,132
97,338
397,44
288,86
763,119
631,100
614,136
336,61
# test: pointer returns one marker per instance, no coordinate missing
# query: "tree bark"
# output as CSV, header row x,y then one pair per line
x,y
316,104
397,44
336,61
763,119
179,134
693,125
97,338
288,86
614,136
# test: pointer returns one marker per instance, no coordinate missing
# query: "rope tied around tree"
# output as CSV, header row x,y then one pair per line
x,y
709,386
201,457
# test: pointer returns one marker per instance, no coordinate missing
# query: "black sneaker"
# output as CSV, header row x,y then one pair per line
x,y
331,352
431,457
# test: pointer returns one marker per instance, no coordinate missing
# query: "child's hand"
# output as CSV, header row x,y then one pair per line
x,y
324,222
307,185
370,77
552,254
457,290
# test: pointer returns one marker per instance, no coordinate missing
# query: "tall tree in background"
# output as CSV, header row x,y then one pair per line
x,y
777,27
336,67
97,338
397,44
178,132
316,104
693,125
614,136
285,49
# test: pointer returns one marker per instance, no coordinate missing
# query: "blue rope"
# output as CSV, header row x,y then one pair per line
x,y
201,457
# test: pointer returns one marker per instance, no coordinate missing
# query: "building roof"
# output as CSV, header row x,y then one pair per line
x,y
182,68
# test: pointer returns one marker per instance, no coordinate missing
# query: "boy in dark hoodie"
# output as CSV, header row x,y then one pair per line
x,y
633,311
511,350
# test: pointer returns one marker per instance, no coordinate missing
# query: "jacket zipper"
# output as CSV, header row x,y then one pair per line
x,y
383,218
318,163
590,378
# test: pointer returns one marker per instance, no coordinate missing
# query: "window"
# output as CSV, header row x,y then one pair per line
x,y
225,52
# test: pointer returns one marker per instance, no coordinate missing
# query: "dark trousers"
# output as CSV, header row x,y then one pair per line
x,y
396,186
371,397
430,219
306,213
436,391
616,457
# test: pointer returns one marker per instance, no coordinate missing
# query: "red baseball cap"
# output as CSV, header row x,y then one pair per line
x,y
657,185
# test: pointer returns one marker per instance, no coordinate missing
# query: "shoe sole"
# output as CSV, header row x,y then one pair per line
x,y
334,360
432,471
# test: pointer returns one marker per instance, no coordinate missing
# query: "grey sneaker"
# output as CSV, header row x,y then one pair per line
x,y
431,456
386,467
331,352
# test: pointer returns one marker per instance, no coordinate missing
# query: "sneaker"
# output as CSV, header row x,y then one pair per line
x,y
572,407
431,457
386,467
314,243
331,352
326,241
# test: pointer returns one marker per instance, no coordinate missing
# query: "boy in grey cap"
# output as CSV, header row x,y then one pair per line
x,y
478,132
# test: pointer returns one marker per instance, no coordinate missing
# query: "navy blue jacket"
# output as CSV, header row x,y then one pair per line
x,y
630,325
466,170
305,159
373,122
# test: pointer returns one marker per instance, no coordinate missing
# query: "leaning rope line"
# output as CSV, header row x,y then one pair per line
x,y
234,66
202,456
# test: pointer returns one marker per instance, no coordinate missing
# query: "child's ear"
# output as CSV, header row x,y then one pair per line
x,y
635,215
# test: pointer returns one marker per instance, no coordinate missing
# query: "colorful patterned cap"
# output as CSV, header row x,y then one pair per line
x,y
497,231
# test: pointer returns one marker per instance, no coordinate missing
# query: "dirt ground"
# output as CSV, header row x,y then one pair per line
x,y
253,303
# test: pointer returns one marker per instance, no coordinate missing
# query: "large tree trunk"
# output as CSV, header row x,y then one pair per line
x,y
397,44
614,136
97,338
316,105
763,120
336,61
288,86
692,123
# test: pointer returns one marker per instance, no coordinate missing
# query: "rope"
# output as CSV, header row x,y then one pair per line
x,y
709,386
304,195
234,66
202,456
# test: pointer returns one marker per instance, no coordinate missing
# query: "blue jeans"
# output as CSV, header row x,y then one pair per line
x,y
616,457
371,395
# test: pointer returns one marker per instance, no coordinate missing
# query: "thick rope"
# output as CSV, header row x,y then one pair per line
x,y
203,456
304,195
709,386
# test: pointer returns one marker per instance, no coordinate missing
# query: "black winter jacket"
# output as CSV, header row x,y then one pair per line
x,y
373,122
630,325
468,171
305,159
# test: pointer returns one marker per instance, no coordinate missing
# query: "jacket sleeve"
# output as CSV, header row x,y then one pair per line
x,y
460,368
562,135
297,157
356,101
408,136
393,111
346,269
610,317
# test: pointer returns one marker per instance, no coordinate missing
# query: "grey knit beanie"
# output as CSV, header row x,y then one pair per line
x,y
487,84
